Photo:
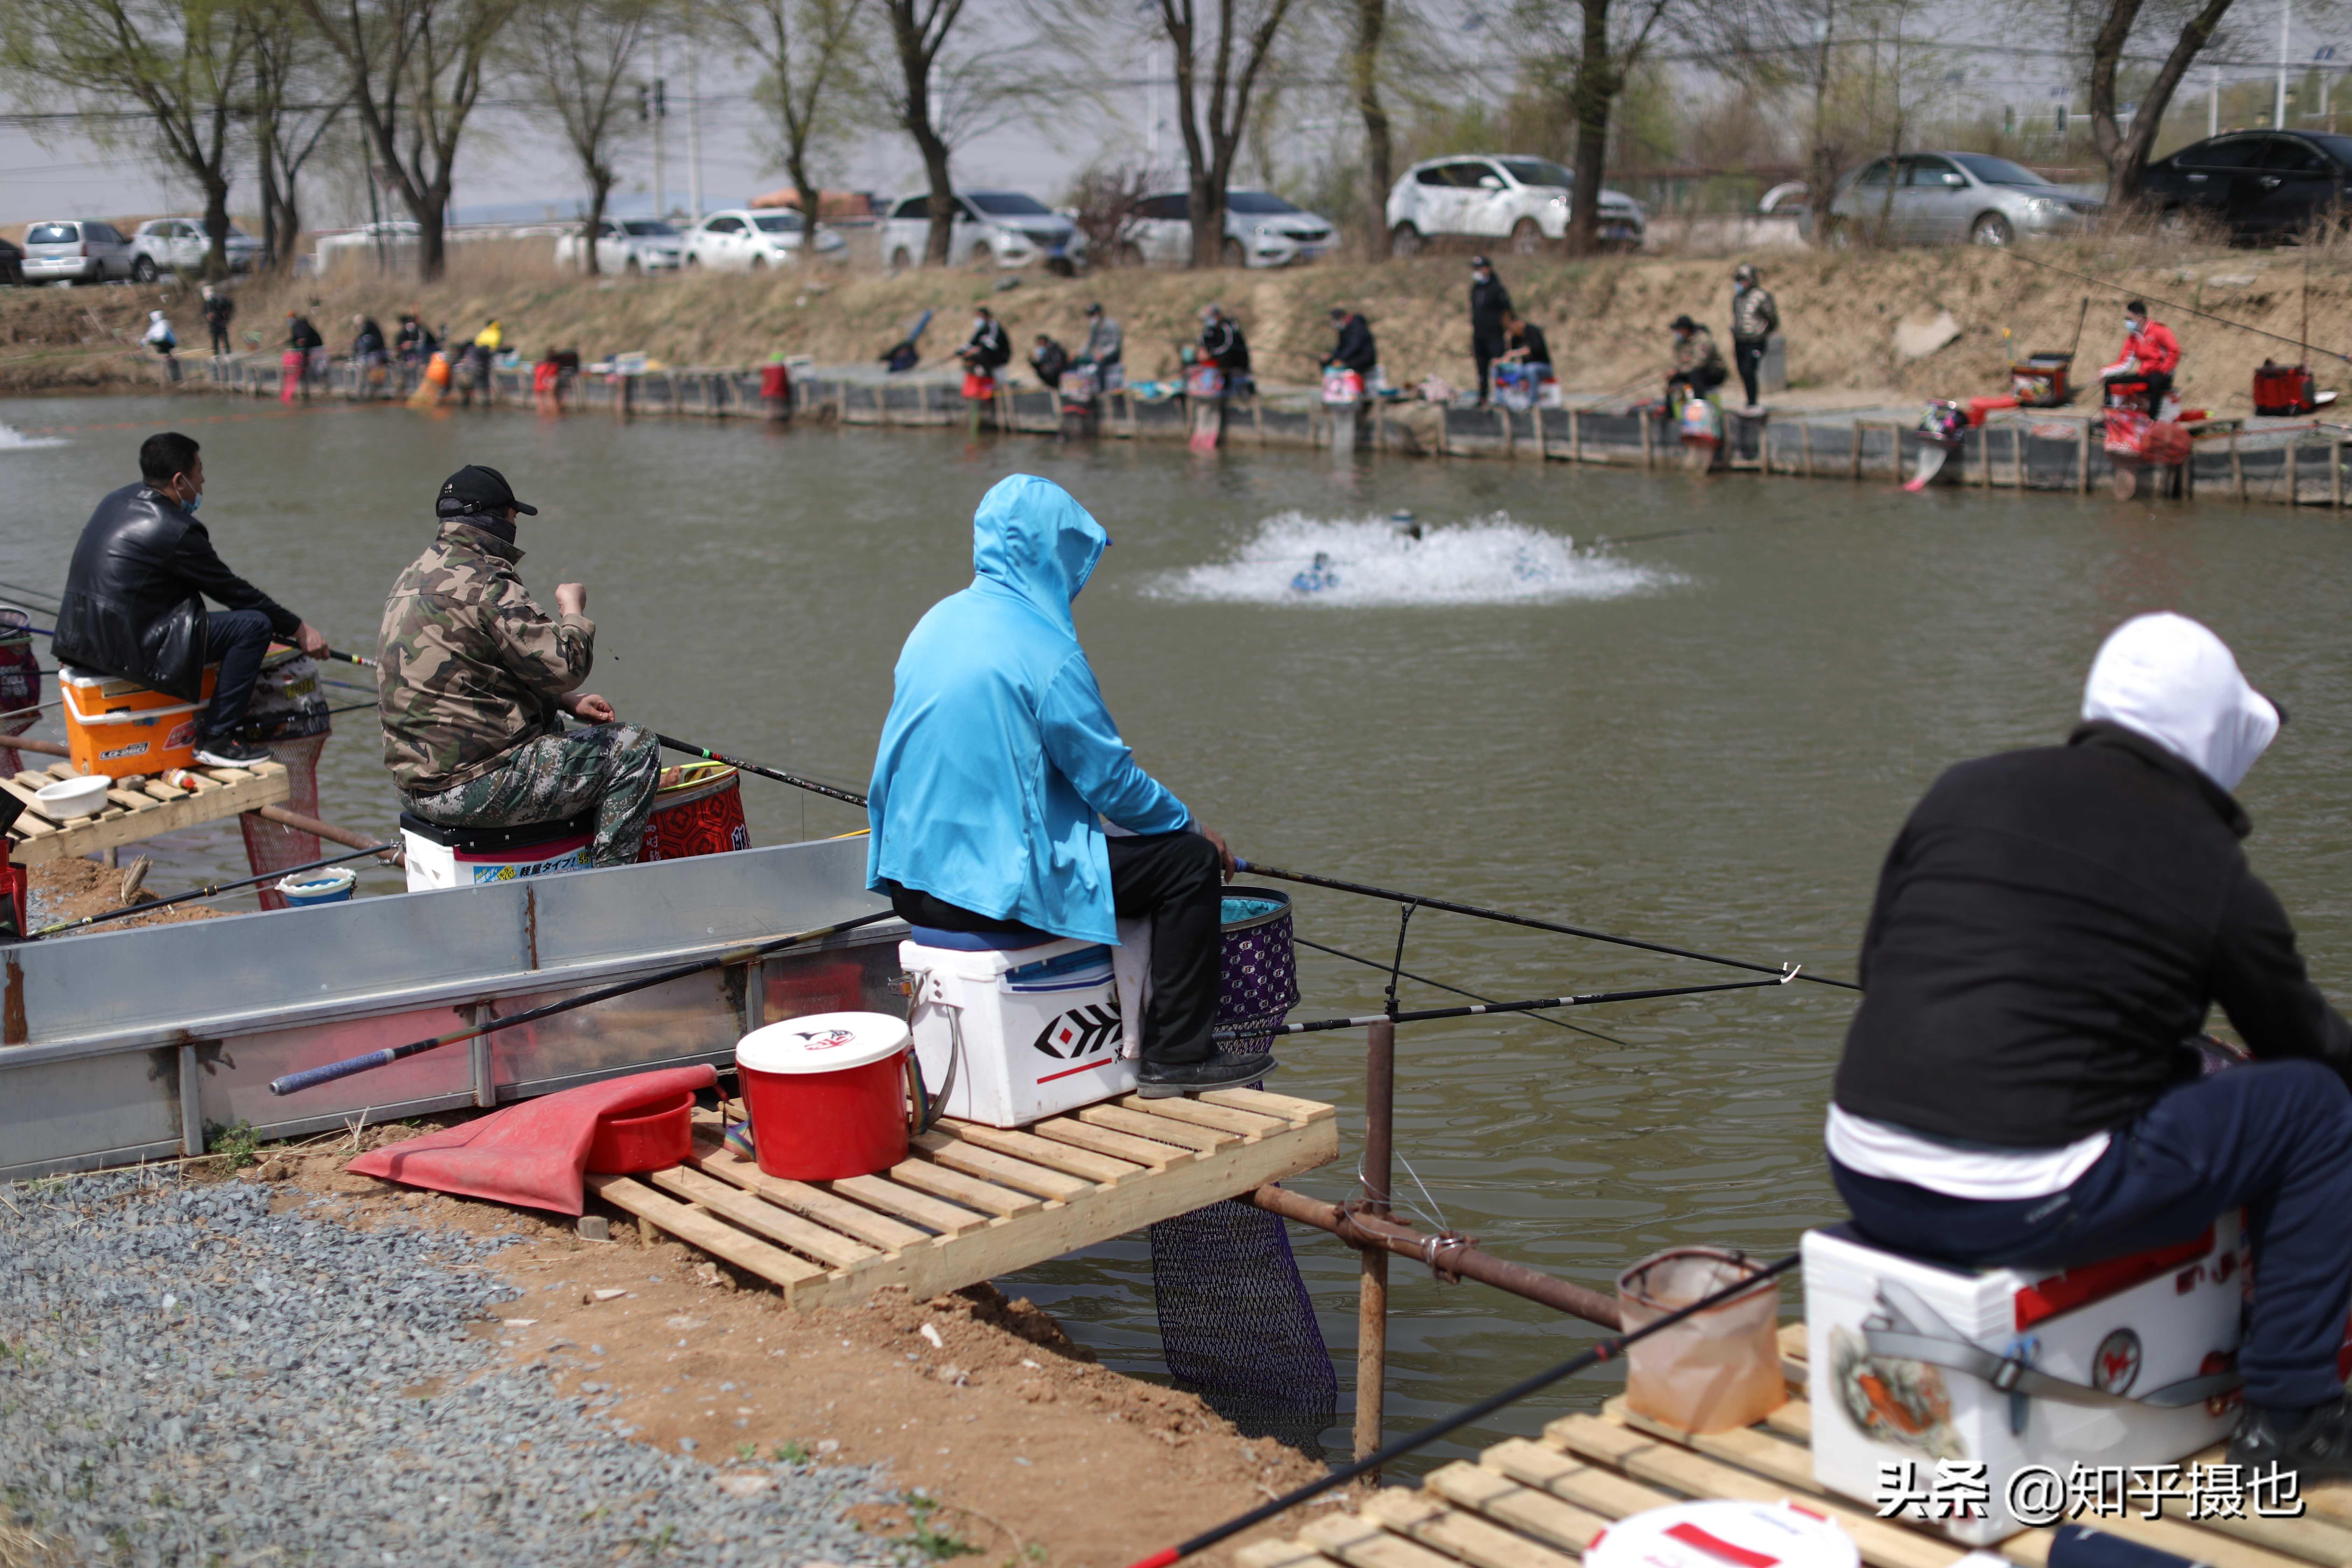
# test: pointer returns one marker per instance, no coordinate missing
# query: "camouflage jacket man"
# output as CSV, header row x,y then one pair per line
x,y
1754,316
472,666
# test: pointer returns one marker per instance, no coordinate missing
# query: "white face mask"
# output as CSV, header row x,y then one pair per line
x,y
195,500
2132,324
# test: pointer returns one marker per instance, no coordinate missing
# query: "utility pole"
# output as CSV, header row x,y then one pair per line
x,y
693,116
2213,106
2286,18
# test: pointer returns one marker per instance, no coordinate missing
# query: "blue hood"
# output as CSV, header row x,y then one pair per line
x,y
999,757
1032,538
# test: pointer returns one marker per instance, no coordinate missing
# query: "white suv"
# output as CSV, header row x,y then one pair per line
x,y
625,245
179,244
745,239
1522,200
1001,228
1260,230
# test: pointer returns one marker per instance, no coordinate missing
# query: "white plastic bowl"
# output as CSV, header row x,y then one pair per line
x,y
84,797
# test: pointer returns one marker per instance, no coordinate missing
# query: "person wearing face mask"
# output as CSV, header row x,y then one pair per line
x,y
475,680
134,600
2018,1087
1489,303
2152,353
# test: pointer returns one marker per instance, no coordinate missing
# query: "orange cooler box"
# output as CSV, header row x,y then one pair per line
x,y
118,727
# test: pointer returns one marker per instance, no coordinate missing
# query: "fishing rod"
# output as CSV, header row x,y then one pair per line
x,y
206,892
312,1078
340,657
2013,253
1428,1014
691,749
1393,896
1440,985
1606,1351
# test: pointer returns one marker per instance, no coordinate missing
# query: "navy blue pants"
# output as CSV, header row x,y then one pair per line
x,y
2273,1138
236,640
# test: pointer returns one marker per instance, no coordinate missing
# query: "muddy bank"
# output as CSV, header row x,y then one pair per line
x,y
981,1404
1605,319
72,890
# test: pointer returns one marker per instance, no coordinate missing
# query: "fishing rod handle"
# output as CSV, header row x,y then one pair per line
x,y
312,1078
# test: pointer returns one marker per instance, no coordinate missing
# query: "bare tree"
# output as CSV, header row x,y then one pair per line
x,y
811,63
576,55
180,61
1212,116
298,97
1608,48
2127,150
919,29
417,68
1380,148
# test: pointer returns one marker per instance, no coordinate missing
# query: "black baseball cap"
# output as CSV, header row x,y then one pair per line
x,y
476,488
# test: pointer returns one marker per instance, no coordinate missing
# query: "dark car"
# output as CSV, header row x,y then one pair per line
x,y
2256,184
12,262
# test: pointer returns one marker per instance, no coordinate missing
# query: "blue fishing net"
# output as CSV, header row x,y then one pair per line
x,y
1236,1325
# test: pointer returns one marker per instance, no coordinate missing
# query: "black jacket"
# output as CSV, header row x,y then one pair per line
x,y
1223,345
2050,927
1049,359
1530,337
1489,301
989,348
301,334
1354,350
218,311
134,594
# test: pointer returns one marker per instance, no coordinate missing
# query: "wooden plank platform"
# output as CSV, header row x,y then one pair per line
x,y
1538,1504
971,1203
149,811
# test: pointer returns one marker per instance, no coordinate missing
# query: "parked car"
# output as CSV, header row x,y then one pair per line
x,y
179,246
1943,198
12,262
75,250
1001,228
2255,183
745,239
1523,200
1260,230
626,245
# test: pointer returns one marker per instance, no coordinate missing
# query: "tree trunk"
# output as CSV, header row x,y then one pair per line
x,y
1208,203
2126,152
216,228
1380,150
590,262
943,207
264,158
432,216
1591,97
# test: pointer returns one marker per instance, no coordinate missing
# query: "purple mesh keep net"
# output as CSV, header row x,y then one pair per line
x,y
1236,1321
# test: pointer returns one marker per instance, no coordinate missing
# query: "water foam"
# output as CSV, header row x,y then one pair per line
x,y
1374,562
13,439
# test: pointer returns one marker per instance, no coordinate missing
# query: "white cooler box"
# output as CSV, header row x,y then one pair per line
x,y
2126,1361
1008,1038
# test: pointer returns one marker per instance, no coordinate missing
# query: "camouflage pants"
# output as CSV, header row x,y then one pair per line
x,y
612,767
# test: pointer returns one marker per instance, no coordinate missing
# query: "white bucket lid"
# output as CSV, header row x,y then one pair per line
x,y
311,884
1724,1534
823,1042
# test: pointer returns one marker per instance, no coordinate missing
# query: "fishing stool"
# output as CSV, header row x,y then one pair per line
x,y
442,856
1013,1026
2126,1361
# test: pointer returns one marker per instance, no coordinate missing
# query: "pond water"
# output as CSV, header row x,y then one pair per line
x,y
1706,733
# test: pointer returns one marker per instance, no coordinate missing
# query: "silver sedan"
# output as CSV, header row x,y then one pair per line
x,y
1944,198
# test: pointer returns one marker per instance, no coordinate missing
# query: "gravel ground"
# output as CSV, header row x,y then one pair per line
x,y
187,1378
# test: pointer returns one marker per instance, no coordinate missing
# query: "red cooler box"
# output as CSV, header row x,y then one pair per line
x,y
2131,1362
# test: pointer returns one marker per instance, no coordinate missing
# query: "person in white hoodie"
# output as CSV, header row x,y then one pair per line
x,y
163,340
2018,1085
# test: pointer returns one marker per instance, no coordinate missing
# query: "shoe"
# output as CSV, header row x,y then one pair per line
x,y
222,752
1158,1082
2317,1447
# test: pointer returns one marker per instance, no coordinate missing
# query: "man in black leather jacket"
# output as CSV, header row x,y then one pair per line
x,y
134,600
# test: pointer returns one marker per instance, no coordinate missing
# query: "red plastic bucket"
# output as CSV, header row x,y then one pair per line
x,y
636,1142
826,1095
698,810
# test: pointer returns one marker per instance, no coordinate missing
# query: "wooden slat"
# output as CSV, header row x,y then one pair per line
x,y
1222,1118
1276,1554
37,816
1296,1111
875,1193
1465,1537
1001,1169
851,1219
1794,1419
1046,1152
1159,1129
1361,1543
700,1229
263,784
1791,1464
954,1185
1118,1145
161,791
763,1218
1539,1514
130,802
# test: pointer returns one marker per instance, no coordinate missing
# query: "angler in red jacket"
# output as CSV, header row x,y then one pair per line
x,y
2152,353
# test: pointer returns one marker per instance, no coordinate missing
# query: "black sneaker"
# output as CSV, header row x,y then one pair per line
x,y
2316,1448
1159,1082
224,751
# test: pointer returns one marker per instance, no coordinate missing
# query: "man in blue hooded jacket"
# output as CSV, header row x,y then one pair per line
x,y
999,766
